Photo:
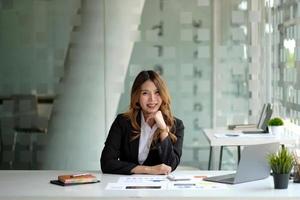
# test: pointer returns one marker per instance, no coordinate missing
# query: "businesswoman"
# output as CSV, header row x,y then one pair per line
x,y
147,139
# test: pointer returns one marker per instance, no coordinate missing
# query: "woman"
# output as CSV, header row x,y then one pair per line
x,y
147,139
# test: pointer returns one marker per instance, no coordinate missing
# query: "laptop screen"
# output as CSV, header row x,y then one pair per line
x,y
265,116
253,164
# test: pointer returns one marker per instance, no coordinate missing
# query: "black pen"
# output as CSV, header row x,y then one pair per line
x,y
143,187
232,135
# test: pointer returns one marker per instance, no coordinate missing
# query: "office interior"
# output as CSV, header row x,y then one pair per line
x,y
66,69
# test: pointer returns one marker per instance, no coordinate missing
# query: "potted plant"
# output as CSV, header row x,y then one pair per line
x,y
281,164
275,126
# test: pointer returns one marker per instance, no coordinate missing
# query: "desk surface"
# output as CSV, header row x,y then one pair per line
x,y
247,139
35,185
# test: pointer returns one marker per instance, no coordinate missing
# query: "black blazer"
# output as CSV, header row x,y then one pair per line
x,y
120,154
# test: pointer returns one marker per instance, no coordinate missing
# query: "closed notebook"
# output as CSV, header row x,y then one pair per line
x,y
77,178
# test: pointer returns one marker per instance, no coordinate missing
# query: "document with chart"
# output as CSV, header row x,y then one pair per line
x,y
174,182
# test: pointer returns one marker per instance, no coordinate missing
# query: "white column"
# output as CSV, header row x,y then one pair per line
x,y
77,130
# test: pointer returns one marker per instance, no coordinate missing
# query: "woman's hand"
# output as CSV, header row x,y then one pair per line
x,y
154,170
161,124
160,169
159,119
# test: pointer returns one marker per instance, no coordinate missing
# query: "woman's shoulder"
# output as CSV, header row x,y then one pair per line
x,y
122,117
178,122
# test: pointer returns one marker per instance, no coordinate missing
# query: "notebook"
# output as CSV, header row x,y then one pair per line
x,y
252,166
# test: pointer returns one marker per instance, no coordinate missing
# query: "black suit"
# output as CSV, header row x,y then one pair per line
x,y
120,153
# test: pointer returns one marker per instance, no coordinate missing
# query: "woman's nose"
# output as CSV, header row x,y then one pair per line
x,y
152,96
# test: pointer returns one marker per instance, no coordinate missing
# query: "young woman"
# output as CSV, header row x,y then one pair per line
x,y
147,139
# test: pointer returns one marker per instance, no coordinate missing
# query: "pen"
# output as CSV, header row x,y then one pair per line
x,y
156,180
200,176
143,187
83,174
232,135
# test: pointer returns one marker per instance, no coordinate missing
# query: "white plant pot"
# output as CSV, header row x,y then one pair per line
x,y
276,130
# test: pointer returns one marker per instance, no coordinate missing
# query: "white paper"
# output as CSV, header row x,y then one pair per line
x,y
137,182
136,179
204,185
136,186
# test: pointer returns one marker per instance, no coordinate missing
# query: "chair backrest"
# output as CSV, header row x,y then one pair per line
x,y
24,104
25,113
21,113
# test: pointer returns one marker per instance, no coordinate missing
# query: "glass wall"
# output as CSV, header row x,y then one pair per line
x,y
208,52
285,58
175,40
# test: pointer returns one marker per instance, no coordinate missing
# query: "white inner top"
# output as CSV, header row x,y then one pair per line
x,y
145,139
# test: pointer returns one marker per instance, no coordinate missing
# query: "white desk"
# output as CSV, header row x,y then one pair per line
x,y
247,139
34,185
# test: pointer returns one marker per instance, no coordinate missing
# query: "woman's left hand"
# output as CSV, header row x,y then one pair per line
x,y
161,124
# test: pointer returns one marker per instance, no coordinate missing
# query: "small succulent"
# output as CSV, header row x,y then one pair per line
x,y
275,122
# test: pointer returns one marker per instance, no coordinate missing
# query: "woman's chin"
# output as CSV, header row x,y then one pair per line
x,y
151,111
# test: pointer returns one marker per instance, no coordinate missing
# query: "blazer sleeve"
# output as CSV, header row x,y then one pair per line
x,y
110,162
170,153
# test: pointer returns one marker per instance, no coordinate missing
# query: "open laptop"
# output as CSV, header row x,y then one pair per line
x,y
252,166
261,126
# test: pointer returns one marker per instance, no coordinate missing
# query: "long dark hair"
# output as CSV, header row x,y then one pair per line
x,y
135,109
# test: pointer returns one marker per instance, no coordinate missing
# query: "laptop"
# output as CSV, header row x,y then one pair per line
x,y
260,127
252,166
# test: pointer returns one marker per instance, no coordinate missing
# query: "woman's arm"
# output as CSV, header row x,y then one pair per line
x,y
110,157
156,169
170,153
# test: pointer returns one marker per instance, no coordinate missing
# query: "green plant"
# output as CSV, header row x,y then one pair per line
x,y
275,122
281,162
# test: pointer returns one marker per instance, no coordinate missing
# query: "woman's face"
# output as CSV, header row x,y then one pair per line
x,y
150,99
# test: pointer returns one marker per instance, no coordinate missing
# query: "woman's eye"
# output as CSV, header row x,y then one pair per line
x,y
157,92
144,93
